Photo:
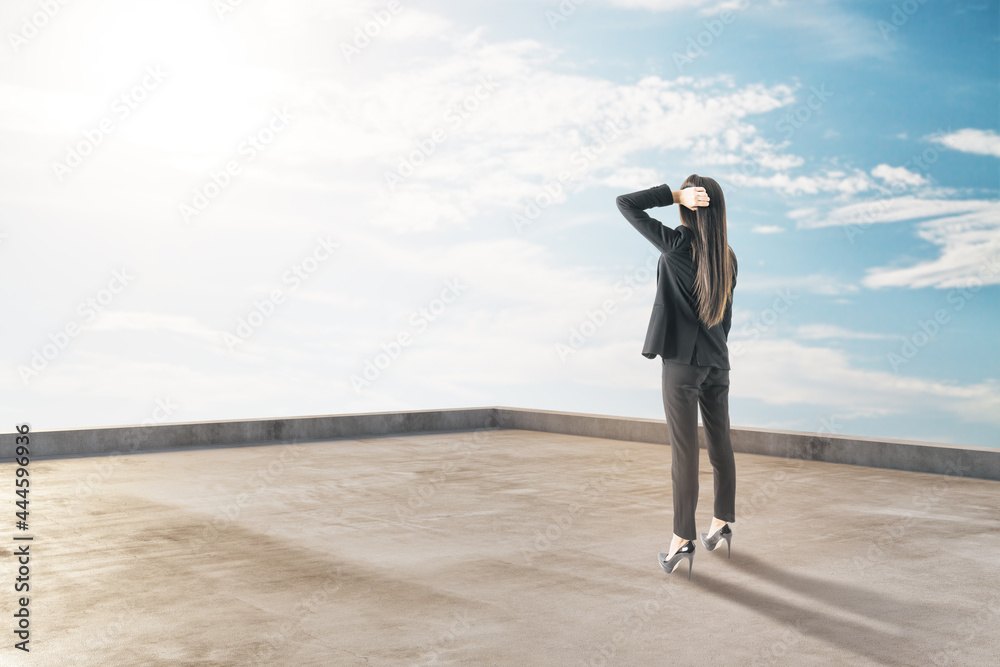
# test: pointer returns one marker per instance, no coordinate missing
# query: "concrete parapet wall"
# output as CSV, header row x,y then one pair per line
x,y
963,461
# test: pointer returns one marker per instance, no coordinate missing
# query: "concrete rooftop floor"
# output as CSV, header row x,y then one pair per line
x,y
505,547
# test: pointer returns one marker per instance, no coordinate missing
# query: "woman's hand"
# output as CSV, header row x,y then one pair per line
x,y
692,197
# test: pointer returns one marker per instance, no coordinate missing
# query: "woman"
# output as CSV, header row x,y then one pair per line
x,y
689,327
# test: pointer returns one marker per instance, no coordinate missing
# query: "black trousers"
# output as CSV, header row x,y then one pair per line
x,y
685,387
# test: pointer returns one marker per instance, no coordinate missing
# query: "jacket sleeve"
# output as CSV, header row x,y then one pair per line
x,y
633,206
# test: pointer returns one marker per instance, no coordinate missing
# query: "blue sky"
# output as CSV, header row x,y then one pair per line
x,y
196,221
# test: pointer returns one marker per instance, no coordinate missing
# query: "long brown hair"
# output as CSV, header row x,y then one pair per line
x,y
714,260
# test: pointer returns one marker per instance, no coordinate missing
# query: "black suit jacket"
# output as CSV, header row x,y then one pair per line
x,y
674,332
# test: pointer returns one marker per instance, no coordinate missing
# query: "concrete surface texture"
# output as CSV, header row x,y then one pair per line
x,y
504,547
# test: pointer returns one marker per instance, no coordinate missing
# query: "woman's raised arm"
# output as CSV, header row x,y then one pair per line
x,y
633,206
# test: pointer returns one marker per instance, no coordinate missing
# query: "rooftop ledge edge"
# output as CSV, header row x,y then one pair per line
x,y
910,455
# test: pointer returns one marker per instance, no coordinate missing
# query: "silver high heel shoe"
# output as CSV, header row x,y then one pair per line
x,y
724,533
670,564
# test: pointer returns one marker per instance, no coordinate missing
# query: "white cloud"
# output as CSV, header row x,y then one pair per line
x,y
797,213
786,372
714,7
416,24
967,232
823,331
970,140
767,229
898,176
895,209
839,182
659,5
144,321
814,283
632,178
539,121
970,254
537,124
